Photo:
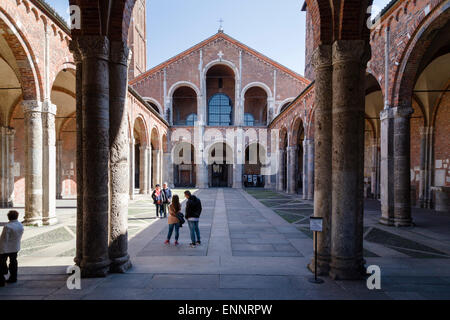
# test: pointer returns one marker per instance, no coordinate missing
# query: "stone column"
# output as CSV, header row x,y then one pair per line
x,y
149,169
281,166
132,163
59,170
79,152
96,151
11,135
292,157
374,169
4,167
424,201
322,62
310,169
49,164
143,170
387,167
157,165
238,158
33,162
168,169
119,155
349,65
305,170
402,166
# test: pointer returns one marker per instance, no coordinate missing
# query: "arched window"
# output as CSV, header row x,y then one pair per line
x,y
249,120
191,119
220,110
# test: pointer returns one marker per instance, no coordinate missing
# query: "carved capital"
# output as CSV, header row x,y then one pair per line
x,y
351,51
120,53
49,107
94,47
321,57
73,47
386,114
31,106
403,111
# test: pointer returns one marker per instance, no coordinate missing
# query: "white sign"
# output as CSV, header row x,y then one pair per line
x,y
316,224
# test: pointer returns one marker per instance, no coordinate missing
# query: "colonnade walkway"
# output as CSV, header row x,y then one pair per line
x,y
255,245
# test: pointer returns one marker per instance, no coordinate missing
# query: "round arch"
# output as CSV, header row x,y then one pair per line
x,y
154,102
284,103
180,84
257,84
227,63
140,120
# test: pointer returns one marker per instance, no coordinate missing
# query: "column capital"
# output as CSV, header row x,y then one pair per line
x,y
119,53
31,106
386,114
322,57
73,48
351,50
403,111
49,107
94,47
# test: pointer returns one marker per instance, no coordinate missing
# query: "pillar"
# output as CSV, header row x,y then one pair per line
x,y
79,152
96,152
402,166
49,164
387,167
374,169
310,170
119,154
143,170
349,65
322,62
292,157
33,162
424,184
132,164
281,168
168,169
6,167
149,162
59,169
157,165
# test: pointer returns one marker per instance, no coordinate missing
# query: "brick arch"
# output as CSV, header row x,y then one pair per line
x,y
283,137
180,84
297,128
439,105
261,85
66,65
96,19
140,120
322,17
155,138
353,17
27,68
406,74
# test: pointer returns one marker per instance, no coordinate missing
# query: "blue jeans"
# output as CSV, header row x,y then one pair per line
x,y
193,227
159,210
175,226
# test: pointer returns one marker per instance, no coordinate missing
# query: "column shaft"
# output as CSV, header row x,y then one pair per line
x,y
322,61
119,154
131,163
59,170
349,64
33,163
310,170
95,106
402,166
49,164
292,154
10,195
281,168
387,167
143,170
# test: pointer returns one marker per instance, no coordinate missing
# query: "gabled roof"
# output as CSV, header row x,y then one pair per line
x,y
211,39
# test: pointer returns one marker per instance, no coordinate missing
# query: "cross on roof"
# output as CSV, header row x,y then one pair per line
x,y
221,21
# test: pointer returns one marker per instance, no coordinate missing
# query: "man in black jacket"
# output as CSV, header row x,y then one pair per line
x,y
193,211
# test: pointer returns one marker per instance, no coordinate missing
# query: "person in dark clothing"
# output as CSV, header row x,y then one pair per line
x,y
193,212
159,198
168,194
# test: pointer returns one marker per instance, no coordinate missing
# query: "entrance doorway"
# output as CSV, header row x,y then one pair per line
x,y
219,175
220,169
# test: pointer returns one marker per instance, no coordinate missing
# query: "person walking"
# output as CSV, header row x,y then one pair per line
x,y
174,222
9,247
193,212
158,200
168,195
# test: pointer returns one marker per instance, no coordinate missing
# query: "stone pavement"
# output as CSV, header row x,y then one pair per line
x,y
255,245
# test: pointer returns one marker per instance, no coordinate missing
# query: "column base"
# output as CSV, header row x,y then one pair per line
x,y
49,221
6,204
32,222
323,266
403,222
386,221
120,265
94,269
347,269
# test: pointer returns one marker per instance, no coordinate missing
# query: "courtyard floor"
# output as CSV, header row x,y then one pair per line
x,y
255,245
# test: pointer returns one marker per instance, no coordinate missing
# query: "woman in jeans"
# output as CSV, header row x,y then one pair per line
x,y
174,223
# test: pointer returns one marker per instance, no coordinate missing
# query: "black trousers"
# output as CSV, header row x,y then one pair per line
x,y
12,266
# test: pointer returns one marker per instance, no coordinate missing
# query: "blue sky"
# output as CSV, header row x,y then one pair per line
x,y
274,28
